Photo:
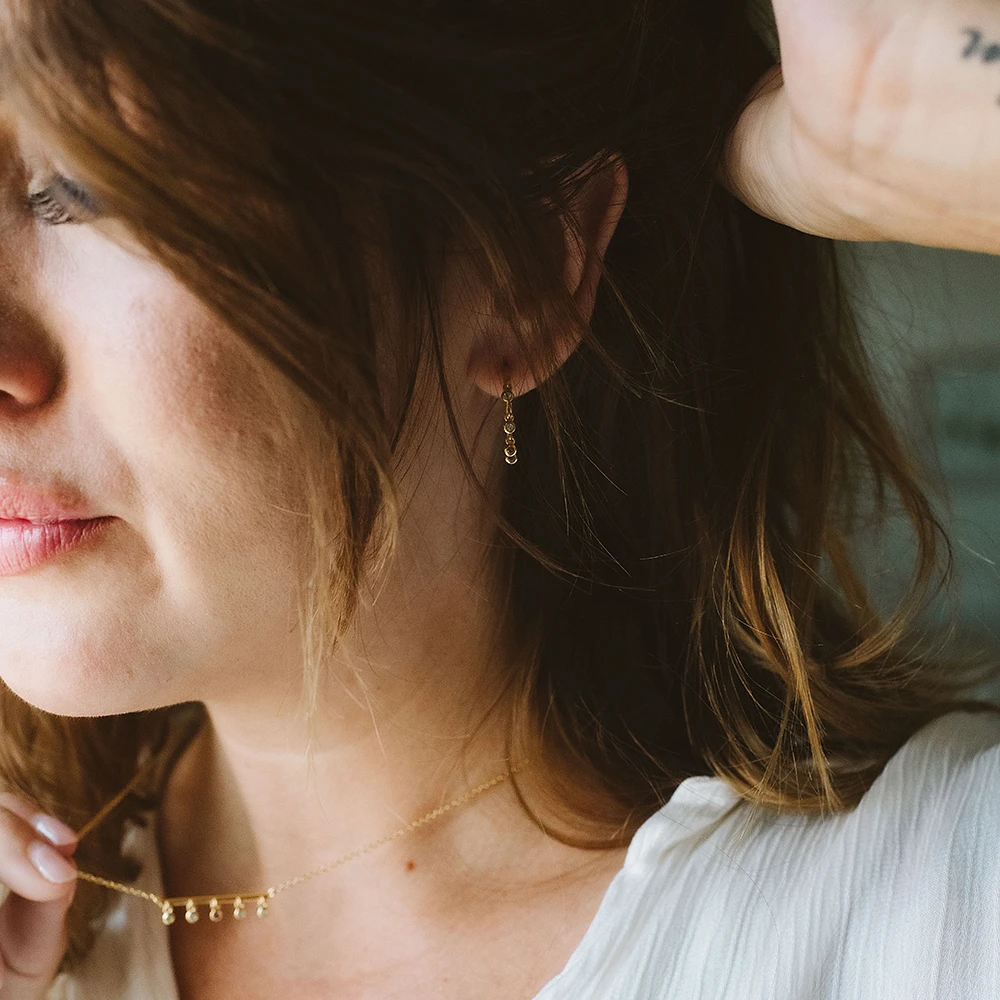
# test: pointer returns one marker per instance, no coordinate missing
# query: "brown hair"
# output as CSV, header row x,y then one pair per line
x,y
677,588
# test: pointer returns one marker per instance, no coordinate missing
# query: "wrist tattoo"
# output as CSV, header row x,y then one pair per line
x,y
977,47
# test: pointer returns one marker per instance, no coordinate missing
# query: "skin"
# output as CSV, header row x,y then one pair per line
x,y
880,126
121,387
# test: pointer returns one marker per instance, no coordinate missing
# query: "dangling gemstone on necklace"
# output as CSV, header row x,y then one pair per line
x,y
239,911
168,914
214,911
191,912
261,906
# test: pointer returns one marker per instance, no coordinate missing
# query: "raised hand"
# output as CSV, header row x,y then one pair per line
x,y
882,122
36,867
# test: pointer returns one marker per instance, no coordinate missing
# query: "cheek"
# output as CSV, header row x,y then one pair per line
x,y
192,593
214,475
170,382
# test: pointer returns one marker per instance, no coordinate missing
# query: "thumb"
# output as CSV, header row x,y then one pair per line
x,y
32,942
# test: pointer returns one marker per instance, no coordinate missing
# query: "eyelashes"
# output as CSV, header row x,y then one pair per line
x,y
63,201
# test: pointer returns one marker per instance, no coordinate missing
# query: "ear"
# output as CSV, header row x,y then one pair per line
x,y
595,214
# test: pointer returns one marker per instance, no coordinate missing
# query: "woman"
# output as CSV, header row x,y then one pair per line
x,y
429,497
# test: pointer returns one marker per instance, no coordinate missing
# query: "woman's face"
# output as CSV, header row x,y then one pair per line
x,y
122,397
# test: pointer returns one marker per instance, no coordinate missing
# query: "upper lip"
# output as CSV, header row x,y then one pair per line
x,y
22,501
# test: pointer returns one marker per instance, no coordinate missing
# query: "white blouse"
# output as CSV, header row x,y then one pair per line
x,y
897,900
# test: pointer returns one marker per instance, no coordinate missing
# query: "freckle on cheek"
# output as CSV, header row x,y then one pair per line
x,y
410,866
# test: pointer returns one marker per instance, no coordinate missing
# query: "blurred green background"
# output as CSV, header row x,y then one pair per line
x,y
931,319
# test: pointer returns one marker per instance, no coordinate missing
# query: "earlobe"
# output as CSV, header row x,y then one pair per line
x,y
594,217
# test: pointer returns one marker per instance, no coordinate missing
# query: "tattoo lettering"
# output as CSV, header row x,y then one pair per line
x,y
977,48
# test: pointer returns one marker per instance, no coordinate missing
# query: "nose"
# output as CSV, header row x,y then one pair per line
x,y
29,362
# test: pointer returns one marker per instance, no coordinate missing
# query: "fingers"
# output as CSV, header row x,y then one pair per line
x,y
31,865
37,867
52,829
32,944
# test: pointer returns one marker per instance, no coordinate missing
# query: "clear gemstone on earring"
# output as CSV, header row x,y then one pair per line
x,y
168,914
507,396
509,427
214,911
191,912
261,906
239,910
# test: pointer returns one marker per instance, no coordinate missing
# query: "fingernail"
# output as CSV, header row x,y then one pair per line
x,y
54,830
50,863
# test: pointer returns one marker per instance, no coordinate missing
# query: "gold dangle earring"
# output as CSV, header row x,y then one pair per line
x,y
510,449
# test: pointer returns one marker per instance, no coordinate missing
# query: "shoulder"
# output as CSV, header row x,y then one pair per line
x,y
897,899
919,859
942,789
942,784
963,741
939,798
944,780
928,826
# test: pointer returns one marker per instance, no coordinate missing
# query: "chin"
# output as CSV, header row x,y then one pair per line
x,y
72,690
65,672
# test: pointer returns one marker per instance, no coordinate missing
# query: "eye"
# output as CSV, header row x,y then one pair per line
x,y
63,201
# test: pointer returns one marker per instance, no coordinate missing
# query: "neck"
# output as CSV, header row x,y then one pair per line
x,y
260,796
411,714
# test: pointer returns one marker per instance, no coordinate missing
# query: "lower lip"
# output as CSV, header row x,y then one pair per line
x,y
25,544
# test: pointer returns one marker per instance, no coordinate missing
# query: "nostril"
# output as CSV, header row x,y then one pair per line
x,y
29,374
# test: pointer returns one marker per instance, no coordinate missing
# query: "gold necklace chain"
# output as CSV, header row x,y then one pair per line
x,y
260,899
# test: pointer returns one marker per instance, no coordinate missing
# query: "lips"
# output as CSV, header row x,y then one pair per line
x,y
38,525
25,544
24,503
